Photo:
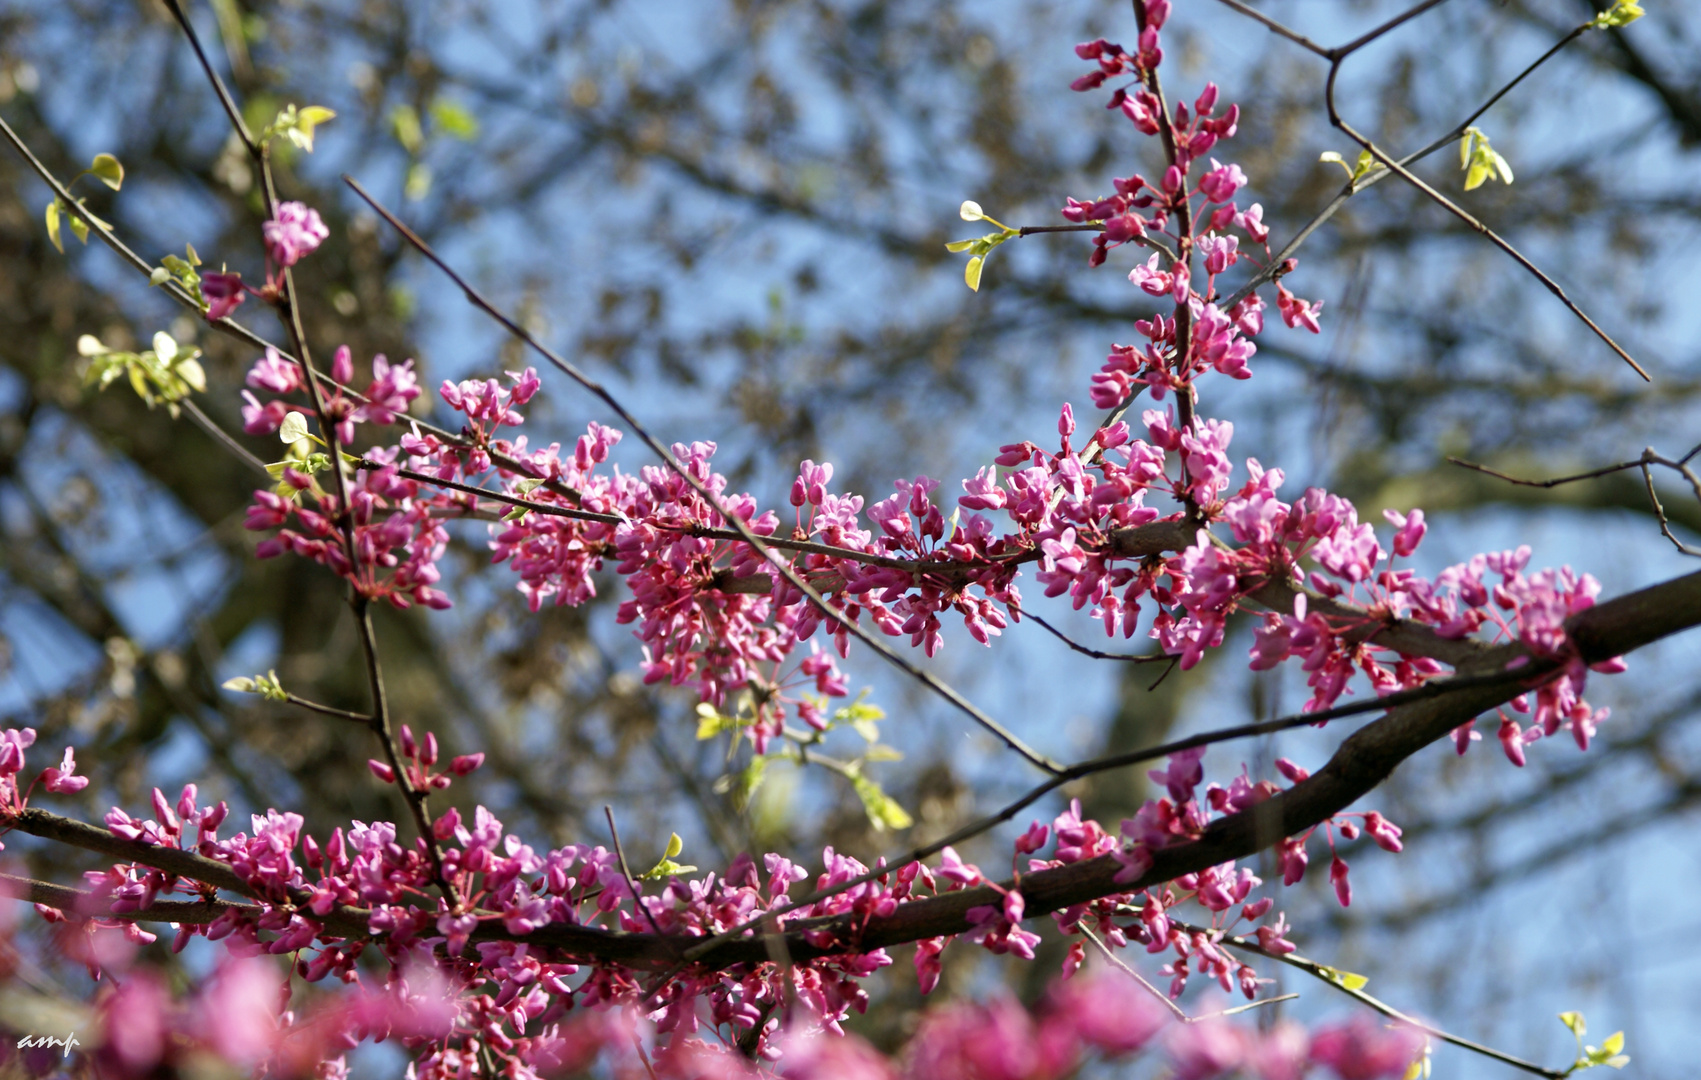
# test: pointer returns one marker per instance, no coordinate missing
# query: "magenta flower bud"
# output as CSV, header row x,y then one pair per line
x,y
381,770
342,365
1157,13
1207,100
1338,878
222,292
1123,228
465,764
1172,179
1291,771
1034,839
1066,421
430,755
444,827
409,747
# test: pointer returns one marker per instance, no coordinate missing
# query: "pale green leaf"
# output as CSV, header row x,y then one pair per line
x,y
191,372
159,276
970,211
971,273
404,122
165,347
418,183
1574,1021
1614,1043
242,684
89,345
293,429
108,171
1349,980
53,225
80,229
301,132
1501,167
957,247
453,119
674,845
883,811
1619,15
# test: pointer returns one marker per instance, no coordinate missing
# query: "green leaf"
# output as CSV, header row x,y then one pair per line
x,y
971,211
453,119
1347,979
957,247
883,810
293,429
1481,161
748,781
108,171
711,722
301,132
80,229
1614,1043
242,684
1619,15
418,184
666,867
165,347
53,225
89,345
971,273
404,123
1574,1021
159,276
191,372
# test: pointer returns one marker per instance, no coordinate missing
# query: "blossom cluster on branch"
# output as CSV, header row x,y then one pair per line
x,y
469,918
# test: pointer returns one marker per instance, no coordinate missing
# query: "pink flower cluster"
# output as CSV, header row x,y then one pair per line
x,y
510,997
296,231
59,778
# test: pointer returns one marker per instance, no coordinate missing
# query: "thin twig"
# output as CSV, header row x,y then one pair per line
x,y
1328,975
1459,212
1127,658
327,710
1605,470
626,871
1175,1010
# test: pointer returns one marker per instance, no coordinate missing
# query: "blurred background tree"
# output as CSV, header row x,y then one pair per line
x,y
736,212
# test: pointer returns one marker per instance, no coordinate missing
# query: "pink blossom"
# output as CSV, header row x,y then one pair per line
x,y
61,779
1220,184
222,292
1365,1050
293,233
